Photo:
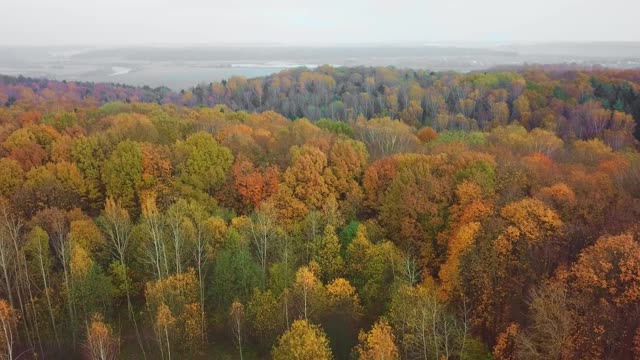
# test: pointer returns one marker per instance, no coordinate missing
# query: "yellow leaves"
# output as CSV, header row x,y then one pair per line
x,y
177,290
101,343
11,176
80,263
8,320
306,278
378,343
164,319
302,341
175,303
591,151
8,315
240,222
97,328
532,219
458,245
305,176
612,267
340,289
87,234
559,194
327,254
216,228
237,309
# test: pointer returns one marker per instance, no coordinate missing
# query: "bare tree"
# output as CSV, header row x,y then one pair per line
x,y
262,230
117,225
237,324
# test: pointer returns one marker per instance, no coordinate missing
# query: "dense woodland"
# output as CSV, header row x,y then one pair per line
x,y
345,213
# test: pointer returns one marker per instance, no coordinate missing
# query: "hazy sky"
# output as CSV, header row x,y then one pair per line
x,y
129,22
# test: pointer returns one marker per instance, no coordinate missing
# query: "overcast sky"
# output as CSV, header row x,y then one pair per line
x,y
136,22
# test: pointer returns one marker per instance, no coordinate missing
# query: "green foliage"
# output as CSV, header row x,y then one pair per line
x,y
336,127
453,136
235,271
441,237
480,172
113,108
347,235
205,163
122,173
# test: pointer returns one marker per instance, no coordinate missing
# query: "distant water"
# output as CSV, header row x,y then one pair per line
x,y
119,70
179,77
184,67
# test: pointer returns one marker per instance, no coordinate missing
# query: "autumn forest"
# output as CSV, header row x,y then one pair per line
x,y
334,213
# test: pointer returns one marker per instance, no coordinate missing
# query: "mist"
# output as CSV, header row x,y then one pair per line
x,y
289,22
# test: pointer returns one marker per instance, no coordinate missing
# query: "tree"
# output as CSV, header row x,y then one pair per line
x,y
117,225
552,324
122,174
37,251
8,334
254,185
371,269
378,343
327,254
156,245
341,319
237,324
309,293
305,176
603,287
92,290
263,230
426,330
235,271
427,134
175,310
347,162
264,317
56,224
302,341
101,343
89,155
11,178
533,228
506,343
204,163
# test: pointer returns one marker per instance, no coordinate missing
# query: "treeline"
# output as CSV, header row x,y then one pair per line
x,y
139,230
573,102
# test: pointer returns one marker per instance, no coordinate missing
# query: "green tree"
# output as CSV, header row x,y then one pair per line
x,y
204,162
122,173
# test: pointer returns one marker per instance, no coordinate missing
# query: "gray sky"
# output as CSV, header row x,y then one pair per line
x,y
134,22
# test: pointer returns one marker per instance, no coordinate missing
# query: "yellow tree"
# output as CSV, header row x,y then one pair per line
x,y
302,341
378,344
8,336
341,319
604,285
309,293
174,305
305,176
101,343
327,254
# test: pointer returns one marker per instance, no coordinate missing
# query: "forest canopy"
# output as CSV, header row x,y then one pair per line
x,y
368,213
